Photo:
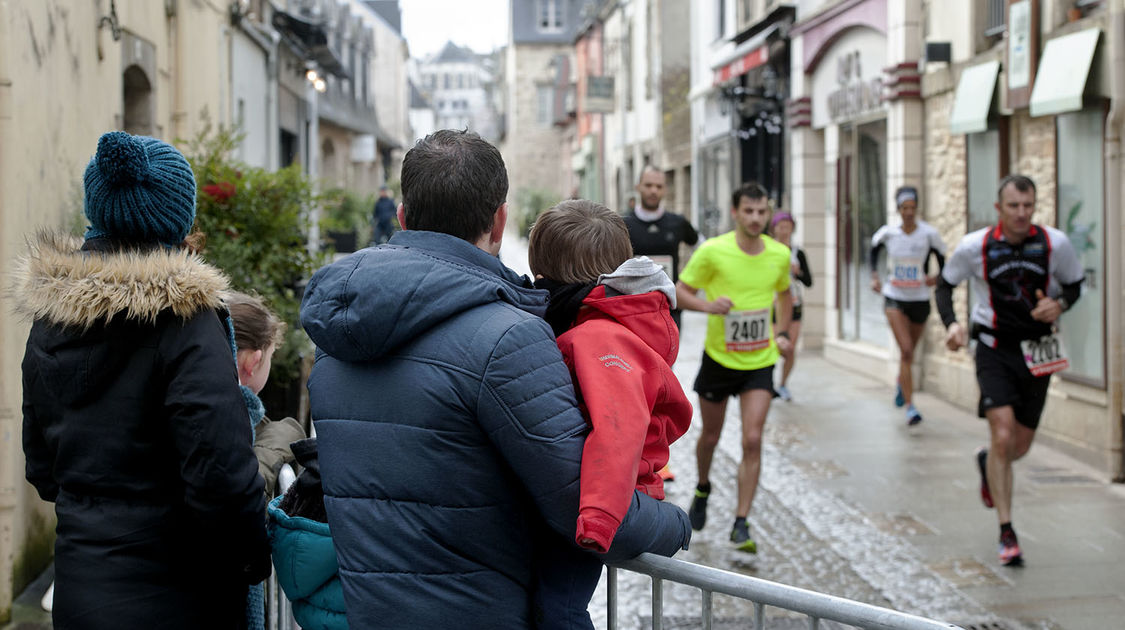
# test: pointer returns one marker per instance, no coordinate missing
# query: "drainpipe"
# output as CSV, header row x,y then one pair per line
x,y
273,114
1115,193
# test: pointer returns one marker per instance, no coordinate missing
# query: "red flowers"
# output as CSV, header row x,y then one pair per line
x,y
220,191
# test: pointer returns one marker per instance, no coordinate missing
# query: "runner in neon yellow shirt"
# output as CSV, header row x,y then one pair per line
x,y
741,272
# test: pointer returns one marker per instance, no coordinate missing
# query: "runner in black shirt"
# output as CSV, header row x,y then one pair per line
x,y
1027,275
655,232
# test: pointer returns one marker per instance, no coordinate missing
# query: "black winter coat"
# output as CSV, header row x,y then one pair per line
x,y
134,426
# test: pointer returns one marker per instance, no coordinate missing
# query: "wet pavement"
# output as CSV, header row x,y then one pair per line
x,y
855,504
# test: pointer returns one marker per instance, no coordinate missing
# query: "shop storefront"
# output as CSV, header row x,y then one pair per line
x,y
855,136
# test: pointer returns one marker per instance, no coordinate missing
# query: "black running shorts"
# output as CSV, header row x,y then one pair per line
x,y
1005,380
916,312
716,382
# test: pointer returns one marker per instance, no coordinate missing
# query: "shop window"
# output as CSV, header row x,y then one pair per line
x,y
863,211
984,165
1081,214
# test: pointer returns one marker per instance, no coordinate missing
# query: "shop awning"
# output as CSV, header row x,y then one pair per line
x,y
973,100
746,56
1061,78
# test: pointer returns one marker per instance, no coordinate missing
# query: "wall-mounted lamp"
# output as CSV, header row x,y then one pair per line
x,y
317,81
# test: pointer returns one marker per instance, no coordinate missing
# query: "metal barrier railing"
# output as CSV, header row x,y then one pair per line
x,y
815,606
279,612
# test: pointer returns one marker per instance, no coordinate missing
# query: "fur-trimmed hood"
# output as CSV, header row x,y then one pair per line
x,y
60,283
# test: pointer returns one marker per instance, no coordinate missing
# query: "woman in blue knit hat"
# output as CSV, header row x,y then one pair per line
x,y
133,422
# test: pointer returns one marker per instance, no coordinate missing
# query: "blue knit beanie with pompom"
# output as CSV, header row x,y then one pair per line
x,y
139,189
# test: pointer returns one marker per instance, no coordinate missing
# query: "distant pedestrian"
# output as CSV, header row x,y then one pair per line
x,y
449,435
1026,275
384,215
610,312
133,424
781,229
906,291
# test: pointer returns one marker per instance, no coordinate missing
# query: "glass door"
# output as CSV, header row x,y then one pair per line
x,y
863,209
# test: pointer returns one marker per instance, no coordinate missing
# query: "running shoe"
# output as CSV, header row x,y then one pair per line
x,y
912,415
740,536
985,494
666,473
900,400
783,393
1010,555
697,513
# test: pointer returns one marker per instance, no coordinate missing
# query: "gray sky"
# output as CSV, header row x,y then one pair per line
x,y
482,25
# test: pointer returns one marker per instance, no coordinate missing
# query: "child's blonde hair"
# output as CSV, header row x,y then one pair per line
x,y
576,241
256,327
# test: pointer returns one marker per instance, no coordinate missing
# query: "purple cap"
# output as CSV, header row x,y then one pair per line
x,y
778,217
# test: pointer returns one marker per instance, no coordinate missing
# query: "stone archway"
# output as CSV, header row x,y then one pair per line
x,y
137,102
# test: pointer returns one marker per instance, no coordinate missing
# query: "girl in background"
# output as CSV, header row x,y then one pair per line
x,y
781,228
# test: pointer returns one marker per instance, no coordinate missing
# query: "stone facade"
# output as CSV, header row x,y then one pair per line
x,y
534,149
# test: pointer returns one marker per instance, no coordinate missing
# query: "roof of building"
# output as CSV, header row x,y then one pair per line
x,y
417,99
454,53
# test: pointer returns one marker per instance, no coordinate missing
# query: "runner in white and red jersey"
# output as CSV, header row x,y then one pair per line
x,y
1027,275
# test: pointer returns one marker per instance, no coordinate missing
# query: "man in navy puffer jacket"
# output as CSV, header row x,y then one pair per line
x,y
450,440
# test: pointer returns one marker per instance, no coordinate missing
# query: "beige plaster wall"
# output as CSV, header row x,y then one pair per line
x,y
60,89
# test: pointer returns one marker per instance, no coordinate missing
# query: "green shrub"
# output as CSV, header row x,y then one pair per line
x,y
530,202
345,211
257,226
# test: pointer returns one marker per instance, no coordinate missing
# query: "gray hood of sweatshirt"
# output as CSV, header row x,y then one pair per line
x,y
639,275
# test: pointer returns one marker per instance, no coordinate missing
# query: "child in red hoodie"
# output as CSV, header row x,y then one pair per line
x,y
611,315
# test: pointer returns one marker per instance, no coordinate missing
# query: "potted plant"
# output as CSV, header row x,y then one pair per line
x,y
345,219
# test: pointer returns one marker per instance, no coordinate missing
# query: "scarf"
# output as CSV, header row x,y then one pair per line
x,y
566,299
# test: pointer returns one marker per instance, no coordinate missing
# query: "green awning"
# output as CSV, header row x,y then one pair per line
x,y
973,100
1061,78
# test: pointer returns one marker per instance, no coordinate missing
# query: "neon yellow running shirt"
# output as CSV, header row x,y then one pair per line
x,y
742,339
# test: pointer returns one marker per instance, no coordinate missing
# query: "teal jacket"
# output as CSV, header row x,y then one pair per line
x,y
305,562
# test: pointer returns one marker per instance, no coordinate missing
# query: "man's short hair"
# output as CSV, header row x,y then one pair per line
x,y
453,182
576,241
1022,183
649,168
750,190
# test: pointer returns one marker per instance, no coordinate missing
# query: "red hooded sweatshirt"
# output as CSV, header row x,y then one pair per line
x,y
620,352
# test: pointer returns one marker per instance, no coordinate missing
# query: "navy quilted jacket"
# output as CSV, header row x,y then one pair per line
x,y
449,436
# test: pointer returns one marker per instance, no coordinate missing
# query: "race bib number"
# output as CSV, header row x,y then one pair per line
x,y
664,261
1045,355
747,331
906,273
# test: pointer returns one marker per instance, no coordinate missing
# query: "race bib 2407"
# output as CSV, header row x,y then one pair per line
x,y
747,331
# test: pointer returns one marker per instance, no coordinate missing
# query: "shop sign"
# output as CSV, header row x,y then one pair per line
x,y
848,81
1022,50
855,95
599,95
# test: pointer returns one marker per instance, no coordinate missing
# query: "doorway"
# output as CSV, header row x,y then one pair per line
x,y
862,209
